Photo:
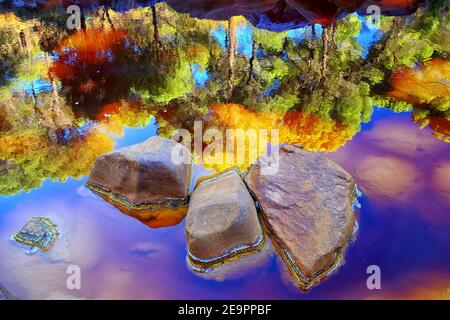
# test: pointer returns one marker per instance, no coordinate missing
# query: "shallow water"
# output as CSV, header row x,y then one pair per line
x,y
404,232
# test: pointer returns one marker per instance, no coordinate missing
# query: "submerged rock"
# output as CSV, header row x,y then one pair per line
x,y
222,221
307,207
39,232
142,176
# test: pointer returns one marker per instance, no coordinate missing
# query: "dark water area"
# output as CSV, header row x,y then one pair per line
x,y
373,97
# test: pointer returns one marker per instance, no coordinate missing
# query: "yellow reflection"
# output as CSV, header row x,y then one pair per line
x,y
114,117
310,131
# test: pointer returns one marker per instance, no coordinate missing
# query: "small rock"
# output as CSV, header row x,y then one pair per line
x,y
5,294
222,221
142,175
307,206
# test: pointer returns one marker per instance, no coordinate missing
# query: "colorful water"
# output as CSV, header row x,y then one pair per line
x,y
68,97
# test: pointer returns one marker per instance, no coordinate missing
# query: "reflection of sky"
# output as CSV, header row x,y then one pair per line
x,y
220,35
137,135
200,76
369,35
244,38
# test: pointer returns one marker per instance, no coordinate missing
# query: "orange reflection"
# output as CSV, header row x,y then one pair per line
x,y
428,89
84,49
89,44
311,131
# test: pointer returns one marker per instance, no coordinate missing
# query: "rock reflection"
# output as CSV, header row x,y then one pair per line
x,y
312,132
246,265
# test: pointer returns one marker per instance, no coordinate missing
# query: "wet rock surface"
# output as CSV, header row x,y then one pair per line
x,y
307,207
142,174
222,220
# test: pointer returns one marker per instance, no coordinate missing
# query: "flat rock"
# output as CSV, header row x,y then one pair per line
x,y
307,207
142,174
222,220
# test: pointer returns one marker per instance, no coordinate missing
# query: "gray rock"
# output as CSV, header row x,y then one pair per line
x,y
222,221
307,206
143,174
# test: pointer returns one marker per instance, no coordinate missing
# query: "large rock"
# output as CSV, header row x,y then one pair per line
x,y
143,174
307,206
222,221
